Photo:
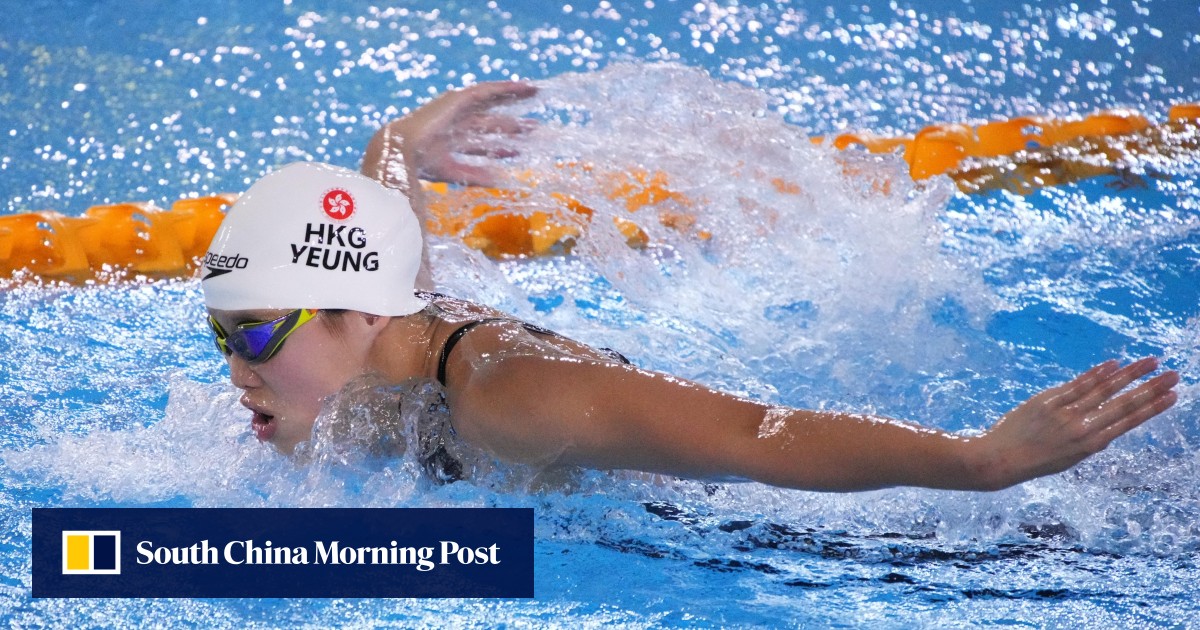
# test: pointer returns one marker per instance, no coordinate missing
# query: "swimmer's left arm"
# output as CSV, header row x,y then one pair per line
x,y
606,416
566,411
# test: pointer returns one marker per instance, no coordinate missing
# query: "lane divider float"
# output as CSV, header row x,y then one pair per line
x,y
1019,155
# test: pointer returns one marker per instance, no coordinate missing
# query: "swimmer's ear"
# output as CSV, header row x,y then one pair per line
x,y
376,320
358,320
371,326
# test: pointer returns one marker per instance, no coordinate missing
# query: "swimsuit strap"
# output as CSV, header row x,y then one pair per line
x,y
458,333
453,340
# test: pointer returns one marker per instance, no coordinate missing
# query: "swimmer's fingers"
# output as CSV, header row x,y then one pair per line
x,y
471,106
488,150
1129,410
447,163
461,123
497,93
1063,425
487,136
1113,382
447,166
497,124
476,121
1071,392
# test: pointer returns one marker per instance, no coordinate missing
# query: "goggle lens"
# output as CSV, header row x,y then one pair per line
x,y
255,342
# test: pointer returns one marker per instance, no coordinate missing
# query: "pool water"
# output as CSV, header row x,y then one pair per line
x,y
919,302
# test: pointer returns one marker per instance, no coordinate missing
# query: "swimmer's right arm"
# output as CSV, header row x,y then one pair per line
x,y
426,143
578,412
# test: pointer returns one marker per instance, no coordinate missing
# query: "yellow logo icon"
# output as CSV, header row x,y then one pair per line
x,y
91,553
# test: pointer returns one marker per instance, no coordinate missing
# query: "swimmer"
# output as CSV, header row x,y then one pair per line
x,y
317,277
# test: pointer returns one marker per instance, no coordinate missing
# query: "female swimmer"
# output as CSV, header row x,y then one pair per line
x,y
316,275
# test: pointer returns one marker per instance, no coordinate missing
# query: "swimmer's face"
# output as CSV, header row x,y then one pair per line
x,y
285,392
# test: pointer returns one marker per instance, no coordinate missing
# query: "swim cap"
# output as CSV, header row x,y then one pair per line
x,y
316,236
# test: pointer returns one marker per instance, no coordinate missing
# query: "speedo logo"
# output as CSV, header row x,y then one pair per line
x,y
221,265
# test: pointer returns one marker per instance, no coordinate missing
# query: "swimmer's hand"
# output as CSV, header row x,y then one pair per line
x,y
457,123
1063,425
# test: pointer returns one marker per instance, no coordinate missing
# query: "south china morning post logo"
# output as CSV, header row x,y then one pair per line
x,y
333,552
91,553
282,552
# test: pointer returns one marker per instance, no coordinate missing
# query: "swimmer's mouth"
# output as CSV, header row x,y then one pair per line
x,y
263,426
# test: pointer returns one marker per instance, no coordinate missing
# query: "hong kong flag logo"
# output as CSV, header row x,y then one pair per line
x,y
338,204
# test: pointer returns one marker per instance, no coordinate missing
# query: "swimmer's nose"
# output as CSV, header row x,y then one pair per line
x,y
240,373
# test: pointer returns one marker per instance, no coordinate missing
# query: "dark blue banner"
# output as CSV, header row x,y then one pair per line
x,y
283,552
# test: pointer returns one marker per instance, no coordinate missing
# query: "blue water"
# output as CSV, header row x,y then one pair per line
x,y
922,303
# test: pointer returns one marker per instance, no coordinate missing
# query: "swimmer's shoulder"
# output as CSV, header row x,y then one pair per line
x,y
478,347
525,396
472,335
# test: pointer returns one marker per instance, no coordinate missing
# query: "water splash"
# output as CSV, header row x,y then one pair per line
x,y
842,295
858,240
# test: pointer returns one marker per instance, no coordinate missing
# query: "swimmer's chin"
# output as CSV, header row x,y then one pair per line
x,y
300,452
265,428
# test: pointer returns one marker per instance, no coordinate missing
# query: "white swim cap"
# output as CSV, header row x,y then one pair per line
x,y
316,236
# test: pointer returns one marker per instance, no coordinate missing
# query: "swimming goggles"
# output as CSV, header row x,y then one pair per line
x,y
257,342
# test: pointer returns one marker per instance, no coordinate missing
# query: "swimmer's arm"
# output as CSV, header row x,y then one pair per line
x,y
426,144
607,416
571,412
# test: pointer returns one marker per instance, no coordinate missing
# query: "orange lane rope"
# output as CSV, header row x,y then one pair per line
x,y
1019,155
133,237
1026,153
505,222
